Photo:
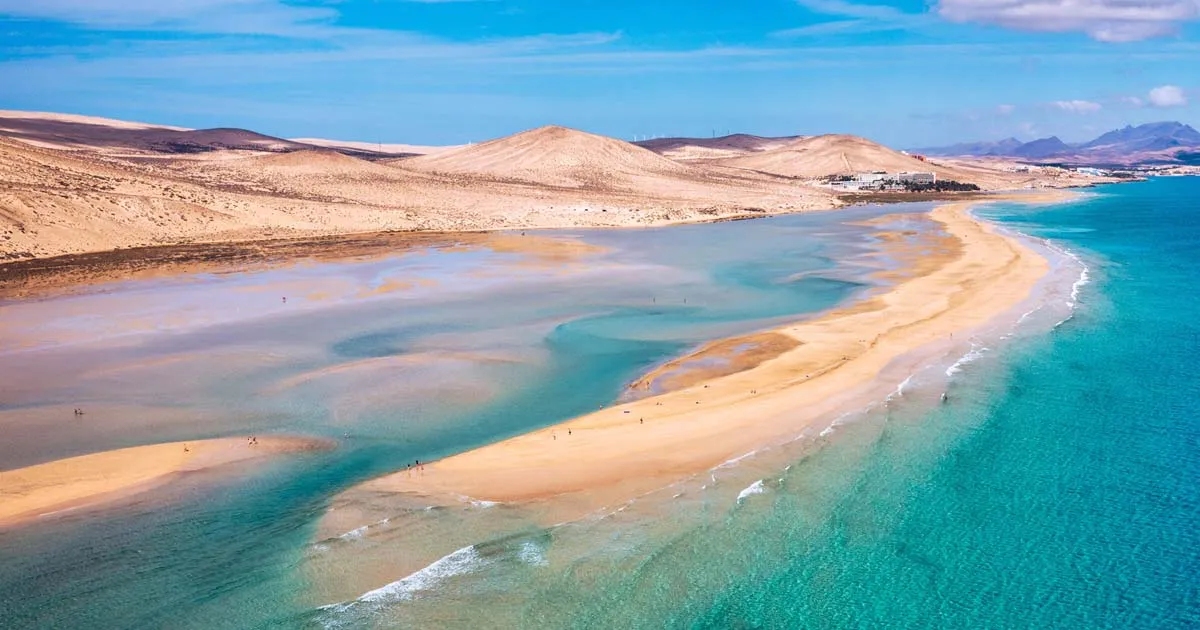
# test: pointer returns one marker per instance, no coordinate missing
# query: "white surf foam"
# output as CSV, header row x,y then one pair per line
x,y
899,393
355,534
1027,315
532,554
479,503
1085,273
974,354
1085,277
754,488
460,562
731,462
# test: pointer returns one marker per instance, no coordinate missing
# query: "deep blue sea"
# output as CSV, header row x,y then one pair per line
x,y
1058,487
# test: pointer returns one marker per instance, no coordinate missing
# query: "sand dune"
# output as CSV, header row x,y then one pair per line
x,y
89,480
835,154
714,148
322,162
381,148
66,131
72,184
832,154
554,156
56,201
51,117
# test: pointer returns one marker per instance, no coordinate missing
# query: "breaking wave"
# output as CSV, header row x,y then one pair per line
x,y
754,488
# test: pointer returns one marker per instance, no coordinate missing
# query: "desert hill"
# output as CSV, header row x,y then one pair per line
x,y
552,156
67,131
374,148
832,154
714,148
311,162
122,138
83,198
71,184
837,154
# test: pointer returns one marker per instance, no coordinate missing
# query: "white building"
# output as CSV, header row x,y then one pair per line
x,y
909,177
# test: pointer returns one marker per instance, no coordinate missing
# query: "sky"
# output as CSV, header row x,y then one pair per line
x,y
906,73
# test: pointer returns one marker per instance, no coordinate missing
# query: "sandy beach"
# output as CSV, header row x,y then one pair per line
x,y
973,275
29,493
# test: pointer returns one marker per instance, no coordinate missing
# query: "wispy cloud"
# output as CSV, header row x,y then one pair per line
x,y
1077,106
852,18
256,17
1103,20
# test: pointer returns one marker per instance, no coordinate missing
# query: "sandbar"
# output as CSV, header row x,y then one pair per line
x,y
636,447
29,493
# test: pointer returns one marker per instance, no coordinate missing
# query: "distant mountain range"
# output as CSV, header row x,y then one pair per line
x,y
1151,143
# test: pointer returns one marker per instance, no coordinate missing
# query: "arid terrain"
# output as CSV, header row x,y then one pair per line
x,y
74,184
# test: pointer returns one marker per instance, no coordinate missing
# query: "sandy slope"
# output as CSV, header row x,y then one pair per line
x,y
71,184
375,147
612,454
554,156
56,201
7,115
714,148
88,480
833,154
116,137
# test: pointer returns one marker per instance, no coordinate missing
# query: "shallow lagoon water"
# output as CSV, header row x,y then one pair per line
x,y
476,345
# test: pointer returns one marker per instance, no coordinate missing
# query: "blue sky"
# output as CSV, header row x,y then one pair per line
x,y
450,71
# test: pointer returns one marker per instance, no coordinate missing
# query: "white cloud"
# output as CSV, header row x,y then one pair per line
x,y
1077,106
1005,110
1168,96
1103,20
1132,101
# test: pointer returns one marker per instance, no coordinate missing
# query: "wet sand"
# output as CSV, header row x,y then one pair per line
x,y
33,492
629,449
80,272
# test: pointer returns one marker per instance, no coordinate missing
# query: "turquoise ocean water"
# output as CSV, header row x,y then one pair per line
x,y
1056,488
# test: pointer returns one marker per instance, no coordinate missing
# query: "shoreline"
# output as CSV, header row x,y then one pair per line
x,y
87,481
68,274
648,443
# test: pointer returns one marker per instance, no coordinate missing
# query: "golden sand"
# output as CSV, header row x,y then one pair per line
x,y
636,447
719,358
88,480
